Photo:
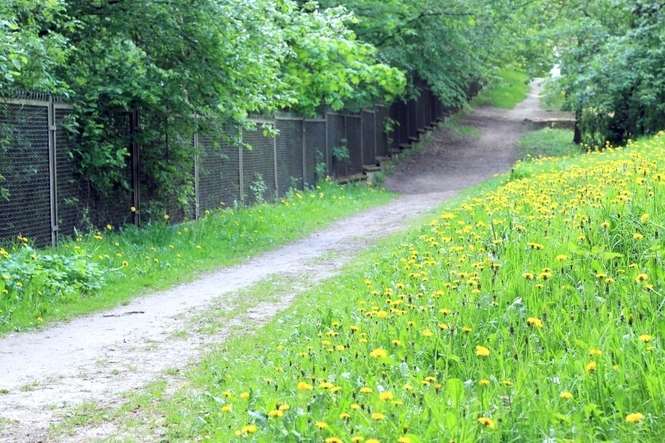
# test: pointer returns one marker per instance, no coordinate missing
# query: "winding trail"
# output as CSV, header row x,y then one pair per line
x,y
99,357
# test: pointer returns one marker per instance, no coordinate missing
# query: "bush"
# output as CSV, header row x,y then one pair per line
x,y
28,276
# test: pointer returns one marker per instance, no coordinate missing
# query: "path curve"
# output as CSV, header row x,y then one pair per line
x,y
101,356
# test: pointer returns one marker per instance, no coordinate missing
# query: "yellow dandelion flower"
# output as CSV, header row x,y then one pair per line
x,y
333,440
566,395
426,333
321,425
483,382
244,395
379,353
365,390
249,429
344,416
641,278
635,417
646,338
303,386
482,351
386,395
377,416
227,408
534,322
487,422
595,352
591,366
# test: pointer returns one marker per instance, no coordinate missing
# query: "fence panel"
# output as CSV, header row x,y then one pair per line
x,y
24,164
68,190
354,138
369,139
258,166
380,133
210,186
336,140
289,154
315,149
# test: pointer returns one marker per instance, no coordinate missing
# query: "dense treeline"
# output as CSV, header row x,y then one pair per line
x,y
612,54
196,63
187,64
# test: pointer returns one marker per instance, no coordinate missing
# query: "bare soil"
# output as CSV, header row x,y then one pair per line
x,y
100,357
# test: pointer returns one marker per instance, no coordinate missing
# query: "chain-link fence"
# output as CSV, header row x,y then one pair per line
x,y
43,197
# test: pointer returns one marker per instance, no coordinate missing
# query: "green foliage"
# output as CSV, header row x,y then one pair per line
x,y
506,90
43,280
327,65
29,53
102,269
450,45
613,66
185,66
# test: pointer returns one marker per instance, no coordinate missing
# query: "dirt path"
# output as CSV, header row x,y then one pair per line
x,y
99,357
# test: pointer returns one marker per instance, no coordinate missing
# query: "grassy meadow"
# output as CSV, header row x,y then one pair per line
x,y
103,269
532,311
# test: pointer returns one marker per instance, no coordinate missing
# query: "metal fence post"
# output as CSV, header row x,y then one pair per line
x,y
327,147
197,188
136,180
362,141
53,171
241,172
304,153
274,163
376,136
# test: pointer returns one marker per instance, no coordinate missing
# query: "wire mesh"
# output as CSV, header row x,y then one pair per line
x,y
226,173
68,190
337,144
289,155
315,151
355,146
369,140
258,166
380,133
24,164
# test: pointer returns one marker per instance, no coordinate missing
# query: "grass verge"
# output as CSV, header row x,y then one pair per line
x,y
530,312
506,91
548,142
104,269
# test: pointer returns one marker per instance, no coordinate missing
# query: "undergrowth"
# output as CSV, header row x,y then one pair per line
x,y
106,268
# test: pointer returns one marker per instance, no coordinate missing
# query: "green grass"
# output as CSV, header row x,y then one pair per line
x,y
548,143
532,311
506,91
134,261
